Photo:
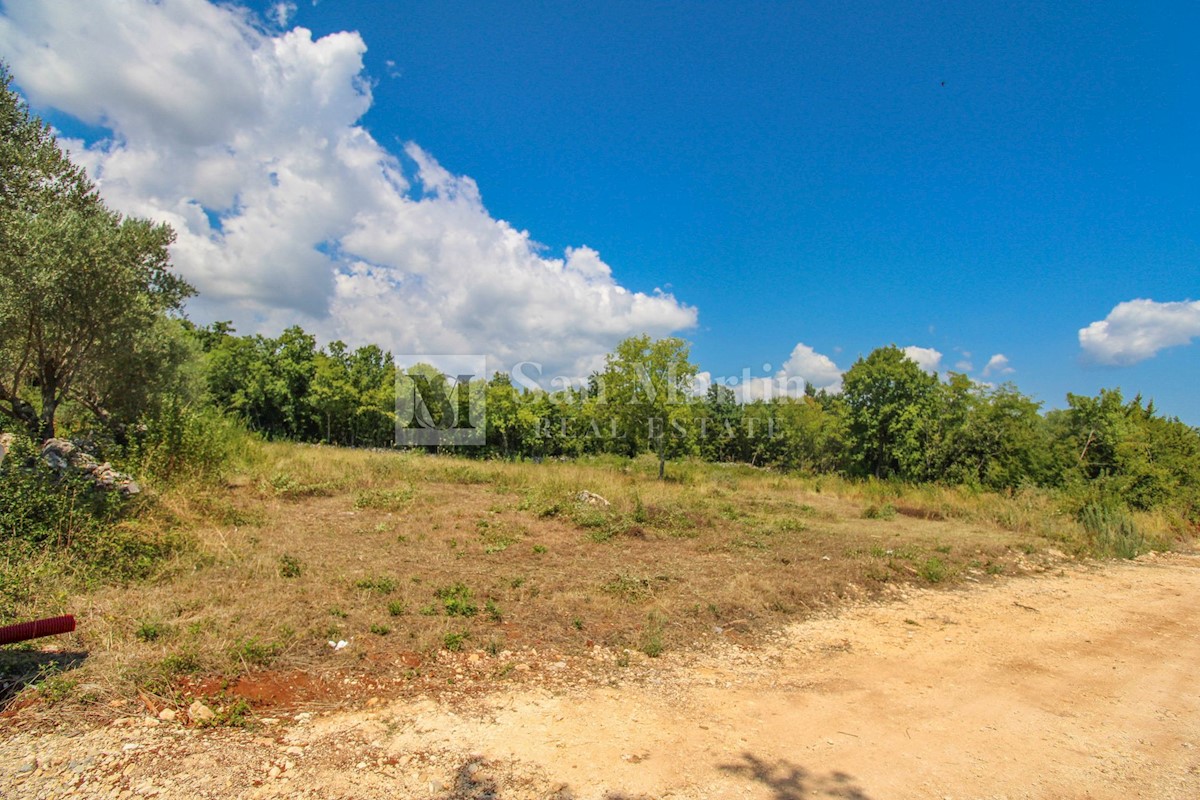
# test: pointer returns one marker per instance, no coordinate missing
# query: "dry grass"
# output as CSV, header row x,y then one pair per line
x,y
404,554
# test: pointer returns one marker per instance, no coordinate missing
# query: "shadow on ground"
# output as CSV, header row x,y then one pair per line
x,y
20,669
787,781
792,782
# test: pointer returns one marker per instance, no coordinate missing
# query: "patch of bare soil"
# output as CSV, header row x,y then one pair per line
x,y
1077,684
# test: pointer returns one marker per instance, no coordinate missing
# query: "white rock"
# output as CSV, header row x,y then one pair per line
x,y
200,712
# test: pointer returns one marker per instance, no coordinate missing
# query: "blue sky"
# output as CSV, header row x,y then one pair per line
x,y
978,180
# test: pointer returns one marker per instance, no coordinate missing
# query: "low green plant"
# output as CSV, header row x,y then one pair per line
x,y
290,566
397,608
150,631
182,662
885,511
1111,530
384,499
456,599
652,636
228,713
493,611
454,641
55,688
933,569
255,652
379,584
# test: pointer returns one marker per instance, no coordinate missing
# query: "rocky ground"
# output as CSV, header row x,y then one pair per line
x,y
1080,683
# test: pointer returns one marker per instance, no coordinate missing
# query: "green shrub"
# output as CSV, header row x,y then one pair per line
x,y
290,566
379,585
58,533
934,570
257,653
181,442
40,506
1111,530
885,511
457,600
151,631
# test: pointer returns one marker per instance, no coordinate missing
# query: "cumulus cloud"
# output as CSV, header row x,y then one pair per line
x,y
927,358
804,366
767,388
1136,330
815,368
997,365
247,140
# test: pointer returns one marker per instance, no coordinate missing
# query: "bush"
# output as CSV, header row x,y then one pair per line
x,y
56,528
1111,530
39,506
181,442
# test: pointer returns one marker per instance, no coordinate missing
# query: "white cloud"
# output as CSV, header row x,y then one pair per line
x,y
997,365
701,383
282,13
1136,330
767,388
248,142
805,366
813,367
964,366
927,358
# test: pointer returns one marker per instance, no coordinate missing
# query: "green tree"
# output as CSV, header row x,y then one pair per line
x,y
332,395
1126,450
720,417
810,435
646,385
888,400
82,289
373,377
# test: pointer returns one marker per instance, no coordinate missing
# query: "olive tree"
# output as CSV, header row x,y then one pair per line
x,y
83,290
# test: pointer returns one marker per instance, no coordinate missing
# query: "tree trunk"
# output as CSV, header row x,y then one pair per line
x,y
25,414
46,423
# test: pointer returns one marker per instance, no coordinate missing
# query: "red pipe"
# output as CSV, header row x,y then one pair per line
x,y
11,634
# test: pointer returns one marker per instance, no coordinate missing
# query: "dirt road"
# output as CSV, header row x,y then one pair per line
x,y
1078,684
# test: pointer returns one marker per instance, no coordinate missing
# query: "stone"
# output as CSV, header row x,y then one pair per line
x,y
167,715
591,499
198,712
7,440
62,455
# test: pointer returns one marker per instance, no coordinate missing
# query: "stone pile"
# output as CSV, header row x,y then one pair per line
x,y
63,456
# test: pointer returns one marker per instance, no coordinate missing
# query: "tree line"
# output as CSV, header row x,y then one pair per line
x,y
892,419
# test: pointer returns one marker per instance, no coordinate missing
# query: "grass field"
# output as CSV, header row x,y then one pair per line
x,y
406,556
